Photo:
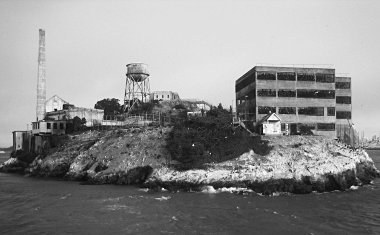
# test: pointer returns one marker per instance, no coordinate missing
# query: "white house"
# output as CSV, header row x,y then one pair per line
x,y
270,125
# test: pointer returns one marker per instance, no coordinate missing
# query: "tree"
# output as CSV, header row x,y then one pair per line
x,y
220,106
110,106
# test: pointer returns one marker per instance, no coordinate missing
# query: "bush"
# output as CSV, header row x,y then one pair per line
x,y
209,139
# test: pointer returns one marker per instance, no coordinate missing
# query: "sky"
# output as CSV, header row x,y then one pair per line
x,y
195,48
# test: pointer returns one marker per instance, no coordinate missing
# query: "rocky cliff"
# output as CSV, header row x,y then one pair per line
x,y
296,164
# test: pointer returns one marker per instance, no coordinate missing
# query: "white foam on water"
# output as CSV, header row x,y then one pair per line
x,y
353,187
163,198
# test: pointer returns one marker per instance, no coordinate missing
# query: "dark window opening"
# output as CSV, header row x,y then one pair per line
x,y
48,125
320,94
342,85
248,96
305,77
266,109
266,76
61,126
330,111
286,93
55,125
310,126
325,94
343,99
325,78
286,76
283,127
305,93
287,110
326,126
343,115
162,96
55,109
311,111
168,96
266,92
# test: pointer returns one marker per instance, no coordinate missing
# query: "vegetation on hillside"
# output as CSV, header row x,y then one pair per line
x,y
111,106
209,139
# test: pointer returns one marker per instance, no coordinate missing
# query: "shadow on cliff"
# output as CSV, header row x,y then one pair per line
x,y
203,140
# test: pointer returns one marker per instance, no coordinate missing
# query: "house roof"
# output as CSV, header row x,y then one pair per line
x,y
55,97
270,117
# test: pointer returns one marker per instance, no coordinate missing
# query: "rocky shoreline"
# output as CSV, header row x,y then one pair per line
x,y
139,156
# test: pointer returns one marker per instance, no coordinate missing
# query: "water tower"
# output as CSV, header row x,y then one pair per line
x,y
137,87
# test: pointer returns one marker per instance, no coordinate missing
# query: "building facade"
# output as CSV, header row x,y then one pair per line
x,y
93,117
304,98
164,95
55,103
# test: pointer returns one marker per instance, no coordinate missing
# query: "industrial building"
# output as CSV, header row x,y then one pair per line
x,y
164,95
55,103
303,98
93,117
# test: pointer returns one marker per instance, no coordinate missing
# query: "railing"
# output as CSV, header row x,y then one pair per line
x,y
326,66
116,121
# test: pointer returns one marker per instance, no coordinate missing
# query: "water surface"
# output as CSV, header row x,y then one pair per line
x,y
40,206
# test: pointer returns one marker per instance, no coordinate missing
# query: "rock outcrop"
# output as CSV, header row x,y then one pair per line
x,y
296,164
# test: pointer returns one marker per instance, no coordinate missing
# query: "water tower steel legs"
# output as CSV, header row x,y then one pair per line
x,y
134,92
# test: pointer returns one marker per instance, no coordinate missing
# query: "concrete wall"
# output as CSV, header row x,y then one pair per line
x,y
92,116
21,140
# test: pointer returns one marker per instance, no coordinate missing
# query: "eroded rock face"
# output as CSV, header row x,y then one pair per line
x,y
13,165
139,156
315,164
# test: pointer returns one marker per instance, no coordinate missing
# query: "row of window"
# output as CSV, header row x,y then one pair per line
x,y
312,126
300,93
55,126
162,96
309,111
36,125
289,76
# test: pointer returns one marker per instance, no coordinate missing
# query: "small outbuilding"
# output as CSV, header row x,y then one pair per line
x,y
270,125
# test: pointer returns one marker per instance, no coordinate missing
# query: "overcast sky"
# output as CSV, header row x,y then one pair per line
x,y
196,48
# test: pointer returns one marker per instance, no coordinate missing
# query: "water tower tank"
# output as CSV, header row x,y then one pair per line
x,y
138,72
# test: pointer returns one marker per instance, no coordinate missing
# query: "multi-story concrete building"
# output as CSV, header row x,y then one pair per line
x,y
304,98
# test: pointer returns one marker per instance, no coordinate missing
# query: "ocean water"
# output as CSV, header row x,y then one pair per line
x,y
40,206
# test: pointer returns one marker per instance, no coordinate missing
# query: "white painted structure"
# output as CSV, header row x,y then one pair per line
x,y
164,95
55,103
270,125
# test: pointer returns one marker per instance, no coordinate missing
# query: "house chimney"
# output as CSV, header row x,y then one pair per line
x,y
41,79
